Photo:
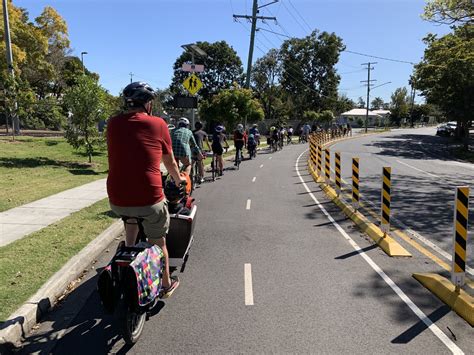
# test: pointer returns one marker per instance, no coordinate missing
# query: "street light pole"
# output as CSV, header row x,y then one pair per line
x,y
8,46
82,61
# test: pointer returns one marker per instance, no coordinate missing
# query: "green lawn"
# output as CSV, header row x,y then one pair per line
x,y
33,168
26,264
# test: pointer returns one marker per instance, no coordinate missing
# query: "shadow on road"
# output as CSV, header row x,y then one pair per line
x,y
80,326
414,146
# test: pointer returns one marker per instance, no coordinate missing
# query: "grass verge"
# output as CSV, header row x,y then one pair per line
x,y
32,168
28,263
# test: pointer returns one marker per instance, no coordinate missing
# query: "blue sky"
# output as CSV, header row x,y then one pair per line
x,y
144,36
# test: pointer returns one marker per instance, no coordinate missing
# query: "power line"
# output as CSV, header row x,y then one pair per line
x,y
275,33
382,58
254,19
294,18
299,14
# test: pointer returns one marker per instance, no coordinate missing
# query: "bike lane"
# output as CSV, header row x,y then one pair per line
x,y
311,291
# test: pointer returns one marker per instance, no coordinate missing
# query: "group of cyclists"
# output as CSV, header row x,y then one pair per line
x,y
139,142
191,147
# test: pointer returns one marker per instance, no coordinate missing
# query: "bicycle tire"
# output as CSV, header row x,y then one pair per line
x,y
130,323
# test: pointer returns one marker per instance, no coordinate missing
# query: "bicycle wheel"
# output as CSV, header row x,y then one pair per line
x,y
130,323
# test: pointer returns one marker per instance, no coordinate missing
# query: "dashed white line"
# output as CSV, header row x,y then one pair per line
x,y
269,158
422,171
418,312
261,166
248,204
254,178
248,285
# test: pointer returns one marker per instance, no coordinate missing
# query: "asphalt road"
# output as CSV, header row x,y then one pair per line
x,y
317,286
424,178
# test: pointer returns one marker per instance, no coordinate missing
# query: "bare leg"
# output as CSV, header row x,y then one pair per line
x,y
201,168
161,242
131,232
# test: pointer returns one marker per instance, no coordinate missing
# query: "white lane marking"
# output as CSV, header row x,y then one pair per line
x,y
254,178
464,165
269,158
248,284
248,204
261,166
418,236
424,172
418,312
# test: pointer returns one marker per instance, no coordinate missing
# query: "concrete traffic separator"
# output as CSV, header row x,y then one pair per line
x,y
461,302
20,322
384,241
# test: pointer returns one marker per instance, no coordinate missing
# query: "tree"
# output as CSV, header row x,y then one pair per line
x,y
343,104
232,106
360,102
88,104
445,76
326,117
377,103
308,74
399,105
265,73
222,67
311,116
449,11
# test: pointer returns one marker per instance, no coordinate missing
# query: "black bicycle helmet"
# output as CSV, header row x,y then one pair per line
x,y
173,192
138,94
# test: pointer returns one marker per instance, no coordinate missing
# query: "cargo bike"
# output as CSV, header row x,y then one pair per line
x,y
131,284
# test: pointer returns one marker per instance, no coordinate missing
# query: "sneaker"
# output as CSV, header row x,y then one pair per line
x,y
202,180
166,292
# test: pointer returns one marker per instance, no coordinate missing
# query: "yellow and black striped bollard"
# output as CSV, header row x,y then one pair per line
x,y
355,183
320,160
461,213
327,168
338,172
386,190
313,153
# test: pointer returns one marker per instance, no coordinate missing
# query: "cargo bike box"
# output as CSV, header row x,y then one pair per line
x,y
180,237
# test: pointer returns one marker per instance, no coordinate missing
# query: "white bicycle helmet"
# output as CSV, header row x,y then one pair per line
x,y
240,127
183,122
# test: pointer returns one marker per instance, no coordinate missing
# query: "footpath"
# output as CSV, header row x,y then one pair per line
x,y
21,221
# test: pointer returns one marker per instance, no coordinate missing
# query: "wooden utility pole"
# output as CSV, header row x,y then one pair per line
x,y
368,81
253,20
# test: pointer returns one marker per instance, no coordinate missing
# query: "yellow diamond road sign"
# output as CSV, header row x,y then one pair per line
x,y
192,84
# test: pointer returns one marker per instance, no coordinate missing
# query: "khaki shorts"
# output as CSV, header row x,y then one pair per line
x,y
156,218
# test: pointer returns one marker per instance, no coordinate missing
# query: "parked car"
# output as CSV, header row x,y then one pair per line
x,y
446,129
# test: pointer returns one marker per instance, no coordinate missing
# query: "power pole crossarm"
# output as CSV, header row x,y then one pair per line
x,y
257,17
253,19
368,81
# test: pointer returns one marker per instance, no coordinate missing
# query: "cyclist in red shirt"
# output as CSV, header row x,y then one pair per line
x,y
137,143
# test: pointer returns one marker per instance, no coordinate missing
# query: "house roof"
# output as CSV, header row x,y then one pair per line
x,y
381,112
359,112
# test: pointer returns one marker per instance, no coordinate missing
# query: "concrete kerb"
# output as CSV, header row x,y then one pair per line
x,y
462,303
385,242
20,322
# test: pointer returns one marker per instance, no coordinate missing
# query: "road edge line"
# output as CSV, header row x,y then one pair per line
x,y
462,303
385,242
398,291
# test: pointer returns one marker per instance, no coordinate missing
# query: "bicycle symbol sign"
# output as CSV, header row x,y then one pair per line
x,y
193,84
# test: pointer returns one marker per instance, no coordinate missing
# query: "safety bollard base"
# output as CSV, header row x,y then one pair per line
x,y
461,302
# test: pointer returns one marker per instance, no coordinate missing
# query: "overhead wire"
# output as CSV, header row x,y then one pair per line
x,y
299,14
294,18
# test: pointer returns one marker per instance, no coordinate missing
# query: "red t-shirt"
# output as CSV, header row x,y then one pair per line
x,y
136,143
